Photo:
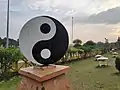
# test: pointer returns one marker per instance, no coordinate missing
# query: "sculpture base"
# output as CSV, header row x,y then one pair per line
x,y
44,78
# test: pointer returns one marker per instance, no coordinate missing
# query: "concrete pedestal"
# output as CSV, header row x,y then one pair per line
x,y
44,78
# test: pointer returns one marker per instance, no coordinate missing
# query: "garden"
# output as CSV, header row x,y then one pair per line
x,y
83,74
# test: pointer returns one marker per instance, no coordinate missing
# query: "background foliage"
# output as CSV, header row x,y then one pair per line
x,y
10,57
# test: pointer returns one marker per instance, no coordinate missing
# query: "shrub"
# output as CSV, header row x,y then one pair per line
x,y
7,57
117,63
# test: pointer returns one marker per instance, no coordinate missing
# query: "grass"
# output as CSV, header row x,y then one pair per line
x,y
11,84
83,75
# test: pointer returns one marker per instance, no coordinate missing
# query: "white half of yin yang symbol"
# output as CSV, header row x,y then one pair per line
x,y
43,40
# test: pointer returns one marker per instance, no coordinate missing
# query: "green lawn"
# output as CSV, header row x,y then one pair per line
x,y
10,85
83,76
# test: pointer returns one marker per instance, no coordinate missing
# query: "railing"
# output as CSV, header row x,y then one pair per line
x,y
68,57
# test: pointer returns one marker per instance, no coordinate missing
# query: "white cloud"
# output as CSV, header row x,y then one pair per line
x,y
23,10
97,6
84,6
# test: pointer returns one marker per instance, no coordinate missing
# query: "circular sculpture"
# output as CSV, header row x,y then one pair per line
x,y
43,40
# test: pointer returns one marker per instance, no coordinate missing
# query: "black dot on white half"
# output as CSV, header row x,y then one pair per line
x,y
45,28
51,50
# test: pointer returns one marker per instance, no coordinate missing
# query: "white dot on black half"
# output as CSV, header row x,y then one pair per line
x,y
45,53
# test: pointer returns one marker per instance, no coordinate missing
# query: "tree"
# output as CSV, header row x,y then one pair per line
x,y
12,42
77,43
72,50
118,42
1,42
113,45
86,50
90,42
18,42
100,44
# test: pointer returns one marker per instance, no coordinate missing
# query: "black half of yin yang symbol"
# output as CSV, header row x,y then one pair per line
x,y
56,45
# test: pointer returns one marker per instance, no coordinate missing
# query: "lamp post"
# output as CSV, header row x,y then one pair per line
x,y
72,31
7,40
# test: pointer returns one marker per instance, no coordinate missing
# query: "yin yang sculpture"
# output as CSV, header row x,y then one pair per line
x,y
43,40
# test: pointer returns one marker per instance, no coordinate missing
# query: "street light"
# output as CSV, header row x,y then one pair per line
x,y
7,40
72,31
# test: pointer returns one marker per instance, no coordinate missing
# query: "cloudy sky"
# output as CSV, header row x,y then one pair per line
x,y
93,19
